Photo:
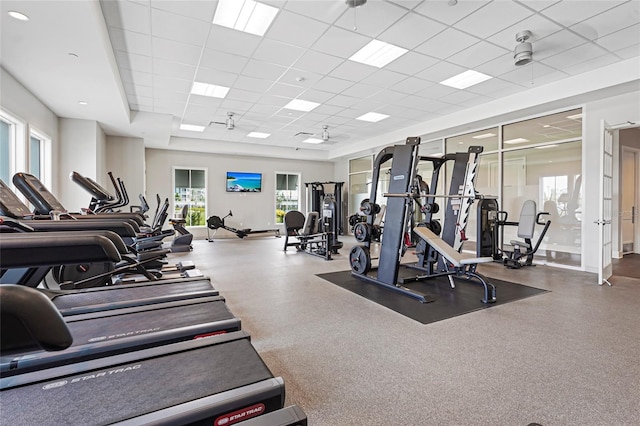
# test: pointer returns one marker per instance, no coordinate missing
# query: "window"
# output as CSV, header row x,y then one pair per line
x,y
35,155
287,194
190,189
6,148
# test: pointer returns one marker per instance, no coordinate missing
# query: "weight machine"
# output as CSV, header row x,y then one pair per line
x,y
434,258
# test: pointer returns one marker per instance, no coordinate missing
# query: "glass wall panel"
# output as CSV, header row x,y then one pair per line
x,y
487,138
362,164
35,145
488,185
359,187
5,152
551,176
550,128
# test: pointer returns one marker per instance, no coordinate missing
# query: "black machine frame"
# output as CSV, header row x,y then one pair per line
x,y
404,191
216,222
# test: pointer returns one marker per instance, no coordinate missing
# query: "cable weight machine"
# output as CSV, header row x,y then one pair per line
x,y
405,191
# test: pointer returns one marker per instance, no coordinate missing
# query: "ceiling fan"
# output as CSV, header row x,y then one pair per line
x,y
229,122
323,137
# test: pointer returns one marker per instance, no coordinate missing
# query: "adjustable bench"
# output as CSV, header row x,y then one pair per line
x,y
455,264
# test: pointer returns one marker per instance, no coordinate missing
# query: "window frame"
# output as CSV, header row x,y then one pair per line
x,y
206,191
275,193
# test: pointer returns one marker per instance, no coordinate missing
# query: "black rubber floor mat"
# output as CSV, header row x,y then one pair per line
x,y
449,302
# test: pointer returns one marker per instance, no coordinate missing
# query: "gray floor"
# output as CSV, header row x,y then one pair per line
x,y
567,357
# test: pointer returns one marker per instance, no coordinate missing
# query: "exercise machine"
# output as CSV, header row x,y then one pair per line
x,y
306,236
405,189
521,251
215,223
182,241
325,198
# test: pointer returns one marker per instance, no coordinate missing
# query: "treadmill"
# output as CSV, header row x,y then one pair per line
x,y
26,252
199,382
117,331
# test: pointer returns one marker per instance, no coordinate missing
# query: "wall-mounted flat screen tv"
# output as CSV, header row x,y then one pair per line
x,y
244,182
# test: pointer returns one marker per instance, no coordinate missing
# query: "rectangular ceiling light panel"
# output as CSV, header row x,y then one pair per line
x,y
516,140
466,79
372,117
378,53
206,89
245,15
301,105
312,140
259,135
192,127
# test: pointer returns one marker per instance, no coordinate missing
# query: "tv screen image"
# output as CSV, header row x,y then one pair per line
x,y
244,182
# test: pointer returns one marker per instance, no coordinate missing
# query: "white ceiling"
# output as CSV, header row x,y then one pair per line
x,y
137,60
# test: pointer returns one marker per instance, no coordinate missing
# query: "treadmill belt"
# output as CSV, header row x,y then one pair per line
x,y
122,293
123,391
148,321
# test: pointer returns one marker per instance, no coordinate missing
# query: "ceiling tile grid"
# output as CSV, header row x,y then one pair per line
x,y
163,46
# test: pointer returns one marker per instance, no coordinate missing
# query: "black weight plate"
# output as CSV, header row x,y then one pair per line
x,y
360,260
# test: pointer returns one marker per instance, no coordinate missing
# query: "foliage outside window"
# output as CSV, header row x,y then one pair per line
x,y
287,194
190,189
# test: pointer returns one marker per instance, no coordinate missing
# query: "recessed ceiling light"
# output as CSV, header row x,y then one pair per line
x,y
575,116
516,140
372,117
259,135
82,103
466,79
205,89
484,136
245,15
192,127
378,53
301,105
17,15
312,140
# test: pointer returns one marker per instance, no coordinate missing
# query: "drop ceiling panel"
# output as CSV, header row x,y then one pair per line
x,y
222,61
585,66
136,77
314,95
441,71
624,15
285,90
134,62
296,29
575,56
178,28
317,9
219,78
277,52
622,39
479,53
352,71
232,41
300,78
371,20
422,29
384,78
412,85
489,19
360,90
339,42
556,43
333,85
568,13
263,70
411,63
442,12
173,69
168,85
317,62
447,43
175,51
533,74
196,9
130,41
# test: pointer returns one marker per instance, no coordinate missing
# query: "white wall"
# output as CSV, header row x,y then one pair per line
x,y
250,210
22,104
125,159
78,152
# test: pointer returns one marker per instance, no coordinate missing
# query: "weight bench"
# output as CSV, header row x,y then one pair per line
x,y
455,264
524,250
308,239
